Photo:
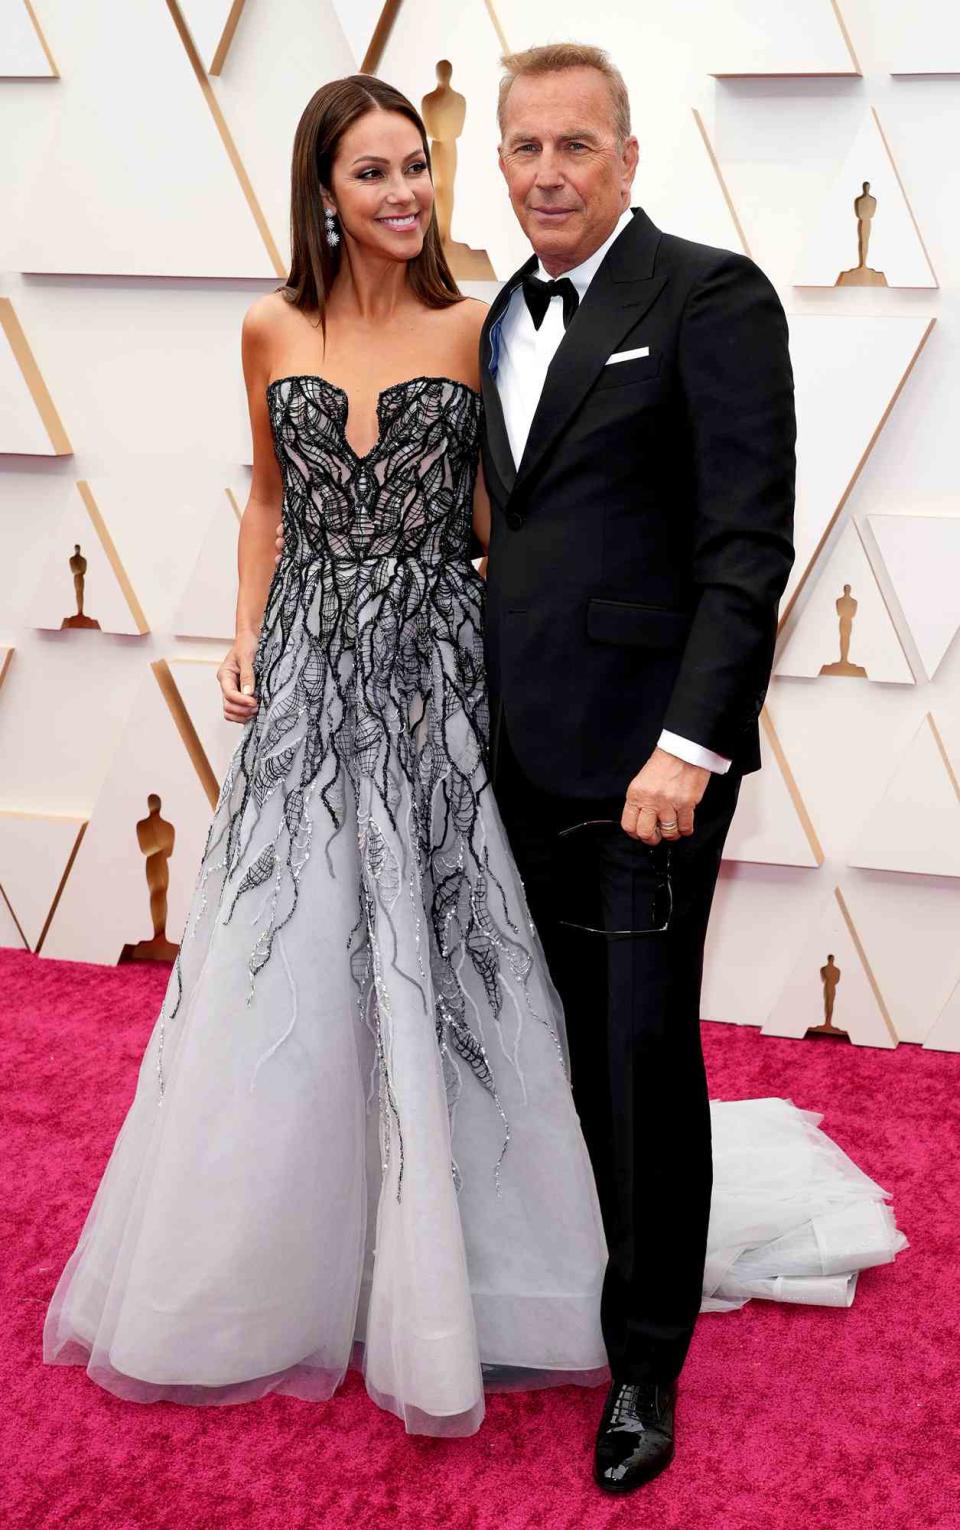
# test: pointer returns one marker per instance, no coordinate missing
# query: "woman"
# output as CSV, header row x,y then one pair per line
x,y
353,1125
355,1092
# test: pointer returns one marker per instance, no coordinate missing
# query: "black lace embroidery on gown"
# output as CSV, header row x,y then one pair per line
x,y
370,678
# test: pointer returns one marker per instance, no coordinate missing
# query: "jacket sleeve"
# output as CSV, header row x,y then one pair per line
x,y
737,382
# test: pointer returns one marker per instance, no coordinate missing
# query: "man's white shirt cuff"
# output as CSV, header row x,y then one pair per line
x,y
693,754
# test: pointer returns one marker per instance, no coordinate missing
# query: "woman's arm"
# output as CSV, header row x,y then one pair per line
x,y
255,555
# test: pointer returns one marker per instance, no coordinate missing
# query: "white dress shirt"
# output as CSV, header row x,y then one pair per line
x,y
524,355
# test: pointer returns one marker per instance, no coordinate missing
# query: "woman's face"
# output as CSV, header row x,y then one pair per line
x,y
381,189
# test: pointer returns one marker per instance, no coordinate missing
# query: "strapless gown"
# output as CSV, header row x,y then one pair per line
x,y
353,1137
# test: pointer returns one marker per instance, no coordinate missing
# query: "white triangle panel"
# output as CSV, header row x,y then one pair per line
x,y
858,1005
34,851
921,554
847,371
816,638
22,55
923,37
135,178
209,604
805,37
106,902
104,598
771,824
208,22
22,426
10,935
915,974
945,1034
277,59
895,247
359,19
915,826
757,915
196,680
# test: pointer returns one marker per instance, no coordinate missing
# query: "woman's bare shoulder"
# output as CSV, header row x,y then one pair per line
x,y
470,314
264,317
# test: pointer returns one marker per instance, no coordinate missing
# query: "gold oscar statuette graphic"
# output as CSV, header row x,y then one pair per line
x,y
78,568
830,975
155,836
864,206
444,112
846,611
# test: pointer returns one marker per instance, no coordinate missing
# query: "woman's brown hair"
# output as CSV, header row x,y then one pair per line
x,y
314,264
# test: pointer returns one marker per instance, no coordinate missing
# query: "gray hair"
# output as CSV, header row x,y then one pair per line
x,y
553,57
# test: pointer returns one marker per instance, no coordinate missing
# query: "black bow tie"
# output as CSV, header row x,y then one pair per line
x,y
538,295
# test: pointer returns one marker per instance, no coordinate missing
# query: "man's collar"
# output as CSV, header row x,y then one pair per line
x,y
583,274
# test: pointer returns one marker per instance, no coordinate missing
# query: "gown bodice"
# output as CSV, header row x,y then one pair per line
x,y
409,497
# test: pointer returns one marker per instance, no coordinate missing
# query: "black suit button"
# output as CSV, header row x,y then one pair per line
x,y
514,520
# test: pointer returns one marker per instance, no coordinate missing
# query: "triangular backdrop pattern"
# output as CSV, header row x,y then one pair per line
x,y
24,51
29,422
212,25
208,606
859,1008
278,57
849,372
915,825
924,38
36,851
201,698
108,595
97,916
771,824
921,555
815,639
895,247
136,179
359,20
945,1034
806,37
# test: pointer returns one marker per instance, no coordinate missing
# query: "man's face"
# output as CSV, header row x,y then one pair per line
x,y
568,177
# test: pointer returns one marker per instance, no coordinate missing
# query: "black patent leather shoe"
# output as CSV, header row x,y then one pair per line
x,y
635,1438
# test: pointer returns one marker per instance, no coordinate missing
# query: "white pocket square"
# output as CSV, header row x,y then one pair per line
x,y
642,350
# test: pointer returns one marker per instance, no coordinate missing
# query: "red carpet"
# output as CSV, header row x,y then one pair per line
x,y
799,1418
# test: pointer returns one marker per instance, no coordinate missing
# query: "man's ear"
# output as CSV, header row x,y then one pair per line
x,y
631,157
501,163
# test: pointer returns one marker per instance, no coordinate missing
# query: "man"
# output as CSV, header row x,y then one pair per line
x,y
639,457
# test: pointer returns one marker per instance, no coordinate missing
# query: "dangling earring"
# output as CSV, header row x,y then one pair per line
x,y
330,228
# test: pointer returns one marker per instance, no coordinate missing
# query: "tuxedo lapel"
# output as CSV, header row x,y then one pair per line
x,y
622,290
494,423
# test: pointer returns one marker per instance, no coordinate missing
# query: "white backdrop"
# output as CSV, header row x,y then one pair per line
x,y
145,192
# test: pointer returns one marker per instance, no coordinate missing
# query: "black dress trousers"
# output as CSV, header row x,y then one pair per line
x,y
632,1010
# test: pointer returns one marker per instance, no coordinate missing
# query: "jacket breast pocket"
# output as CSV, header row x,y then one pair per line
x,y
630,625
621,374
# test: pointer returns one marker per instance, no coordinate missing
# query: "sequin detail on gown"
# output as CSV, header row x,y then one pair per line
x,y
371,682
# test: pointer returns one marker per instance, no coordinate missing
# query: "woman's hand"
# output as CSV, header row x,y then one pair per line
x,y
236,679
279,543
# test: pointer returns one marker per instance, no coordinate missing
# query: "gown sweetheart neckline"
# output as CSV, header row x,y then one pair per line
x,y
405,382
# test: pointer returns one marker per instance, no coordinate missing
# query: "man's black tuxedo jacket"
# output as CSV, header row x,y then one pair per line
x,y
639,550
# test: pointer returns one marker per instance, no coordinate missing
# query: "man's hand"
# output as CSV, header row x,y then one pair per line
x,y
661,800
279,543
